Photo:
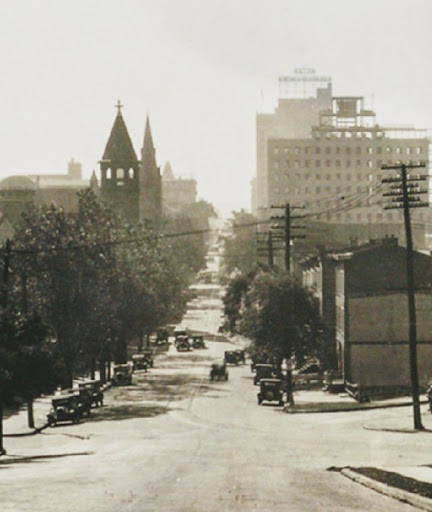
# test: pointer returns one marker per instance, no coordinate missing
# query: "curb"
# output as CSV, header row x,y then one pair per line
x,y
338,408
387,490
30,433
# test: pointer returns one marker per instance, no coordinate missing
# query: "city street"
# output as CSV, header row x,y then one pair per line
x,y
174,441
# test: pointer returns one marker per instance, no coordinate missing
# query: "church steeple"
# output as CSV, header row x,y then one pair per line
x,y
150,181
119,170
119,148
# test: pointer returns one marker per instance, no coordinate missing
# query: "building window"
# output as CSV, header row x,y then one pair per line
x,y
358,150
317,150
306,163
389,149
131,174
120,174
348,163
348,151
318,176
348,177
307,176
369,150
120,183
358,163
398,150
338,150
338,176
108,174
369,164
327,150
318,190
379,150
307,150
338,163
409,151
317,163
418,150
328,163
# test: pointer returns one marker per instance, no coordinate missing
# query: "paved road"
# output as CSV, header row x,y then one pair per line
x,y
176,442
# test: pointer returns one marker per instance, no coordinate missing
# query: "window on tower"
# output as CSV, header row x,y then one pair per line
x,y
120,174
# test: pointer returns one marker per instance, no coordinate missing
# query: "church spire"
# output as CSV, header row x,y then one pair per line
x,y
148,149
119,149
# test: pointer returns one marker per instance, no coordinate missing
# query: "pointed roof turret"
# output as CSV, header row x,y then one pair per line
x,y
148,152
119,150
168,172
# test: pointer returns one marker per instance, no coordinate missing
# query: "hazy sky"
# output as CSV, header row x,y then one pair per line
x,y
201,69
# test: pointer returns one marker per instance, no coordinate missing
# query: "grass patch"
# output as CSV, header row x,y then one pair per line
x,y
404,483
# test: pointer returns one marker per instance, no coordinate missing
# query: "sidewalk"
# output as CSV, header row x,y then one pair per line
x,y
320,401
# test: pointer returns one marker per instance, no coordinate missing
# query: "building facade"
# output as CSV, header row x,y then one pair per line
x,y
177,192
302,96
363,300
131,186
336,174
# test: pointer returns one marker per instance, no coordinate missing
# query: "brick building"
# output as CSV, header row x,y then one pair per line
x,y
363,300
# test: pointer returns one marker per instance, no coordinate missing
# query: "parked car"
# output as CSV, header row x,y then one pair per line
x,y
308,376
218,371
94,389
64,408
183,346
258,359
139,362
270,391
263,371
122,375
198,342
148,356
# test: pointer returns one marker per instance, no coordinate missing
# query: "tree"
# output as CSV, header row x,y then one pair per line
x,y
281,317
240,246
235,290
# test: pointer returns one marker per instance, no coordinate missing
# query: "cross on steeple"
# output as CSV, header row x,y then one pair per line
x,y
118,106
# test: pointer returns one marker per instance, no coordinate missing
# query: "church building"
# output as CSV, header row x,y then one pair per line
x,y
133,187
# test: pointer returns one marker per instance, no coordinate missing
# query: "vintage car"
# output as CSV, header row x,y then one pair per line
x,y
180,335
218,371
263,371
122,375
93,387
231,357
270,391
148,356
308,376
241,356
198,341
139,362
183,345
65,408
258,359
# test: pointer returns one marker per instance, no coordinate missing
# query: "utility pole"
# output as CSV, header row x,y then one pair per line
x,y
405,191
284,232
4,305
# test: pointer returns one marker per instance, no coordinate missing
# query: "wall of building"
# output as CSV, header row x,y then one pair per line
x,y
378,338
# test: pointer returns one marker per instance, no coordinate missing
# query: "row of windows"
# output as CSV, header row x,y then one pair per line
x,y
358,150
120,174
318,177
297,164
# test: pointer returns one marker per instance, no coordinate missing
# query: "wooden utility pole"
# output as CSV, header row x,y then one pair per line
x,y
4,305
284,231
405,191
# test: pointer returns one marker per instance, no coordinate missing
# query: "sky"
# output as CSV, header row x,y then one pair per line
x,y
201,70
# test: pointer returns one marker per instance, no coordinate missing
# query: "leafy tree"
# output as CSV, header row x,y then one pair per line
x,y
235,290
240,247
281,317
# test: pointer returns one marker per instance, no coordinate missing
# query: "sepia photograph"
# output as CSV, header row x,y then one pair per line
x,y
215,256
